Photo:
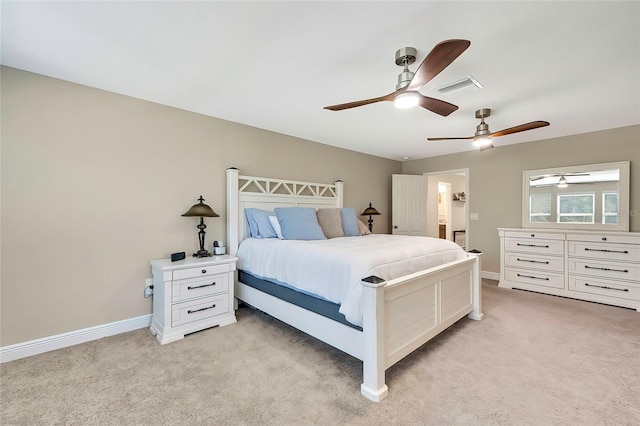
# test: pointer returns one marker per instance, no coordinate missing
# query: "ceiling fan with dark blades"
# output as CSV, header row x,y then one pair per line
x,y
558,175
483,136
407,90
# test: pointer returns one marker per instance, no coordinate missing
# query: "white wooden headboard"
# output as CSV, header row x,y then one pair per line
x,y
267,194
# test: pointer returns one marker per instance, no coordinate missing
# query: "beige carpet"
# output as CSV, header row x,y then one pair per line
x,y
534,360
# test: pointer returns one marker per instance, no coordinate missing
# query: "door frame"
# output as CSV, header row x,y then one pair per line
x,y
467,235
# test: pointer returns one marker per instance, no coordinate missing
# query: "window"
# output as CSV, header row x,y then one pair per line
x,y
540,208
610,207
576,208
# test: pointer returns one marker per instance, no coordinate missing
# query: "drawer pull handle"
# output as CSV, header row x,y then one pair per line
x,y
200,286
532,277
607,251
201,309
606,269
204,271
533,261
532,245
605,287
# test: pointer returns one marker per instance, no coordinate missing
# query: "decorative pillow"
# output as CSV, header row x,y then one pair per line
x,y
330,222
299,223
349,222
364,229
276,226
259,224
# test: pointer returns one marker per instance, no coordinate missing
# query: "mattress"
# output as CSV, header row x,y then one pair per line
x,y
289,294
333,269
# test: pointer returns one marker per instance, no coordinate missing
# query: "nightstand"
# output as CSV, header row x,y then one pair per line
x,y
191,294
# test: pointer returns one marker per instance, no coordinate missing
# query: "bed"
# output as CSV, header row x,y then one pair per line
x,y
397,316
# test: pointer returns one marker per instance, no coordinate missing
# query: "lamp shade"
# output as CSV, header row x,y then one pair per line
x,y
370,211
201,210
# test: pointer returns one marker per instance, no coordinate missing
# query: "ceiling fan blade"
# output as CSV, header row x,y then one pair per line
x,y
440,57
389,97
436,105
450,139
520,128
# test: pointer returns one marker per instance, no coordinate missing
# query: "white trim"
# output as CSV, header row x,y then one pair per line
x,y
490,275
59,341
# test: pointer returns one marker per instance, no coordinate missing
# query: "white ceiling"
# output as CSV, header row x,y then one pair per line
x,y
275,65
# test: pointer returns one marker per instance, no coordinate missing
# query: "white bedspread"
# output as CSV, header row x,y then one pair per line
x,y
334,268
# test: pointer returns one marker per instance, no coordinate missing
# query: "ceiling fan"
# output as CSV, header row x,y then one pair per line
x,y
562,181
483,136
407,90
558,175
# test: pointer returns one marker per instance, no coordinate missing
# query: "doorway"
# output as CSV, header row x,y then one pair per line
x,y
447,205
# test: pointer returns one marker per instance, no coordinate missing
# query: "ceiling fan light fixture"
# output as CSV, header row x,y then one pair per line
x,y
482,142
406,100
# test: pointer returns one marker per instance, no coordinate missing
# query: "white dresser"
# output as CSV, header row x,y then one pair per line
x,y
191,294
589,265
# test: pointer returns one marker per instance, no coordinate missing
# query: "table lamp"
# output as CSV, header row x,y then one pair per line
x,y
370,211
201,210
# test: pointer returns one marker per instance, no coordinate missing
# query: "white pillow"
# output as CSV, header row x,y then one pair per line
x,y
276,226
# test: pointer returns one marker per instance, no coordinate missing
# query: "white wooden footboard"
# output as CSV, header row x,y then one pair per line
x,y
402,314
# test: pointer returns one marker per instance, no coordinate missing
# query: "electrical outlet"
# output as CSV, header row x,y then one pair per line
x,y
148,290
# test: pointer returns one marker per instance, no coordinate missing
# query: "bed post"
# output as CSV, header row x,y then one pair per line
x,y
232,210
476,283
339,192
374,352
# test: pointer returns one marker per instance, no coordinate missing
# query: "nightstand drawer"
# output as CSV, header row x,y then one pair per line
x,y
183,313
201,271
199,287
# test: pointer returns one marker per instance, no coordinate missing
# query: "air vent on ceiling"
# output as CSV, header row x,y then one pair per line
x,y
463,83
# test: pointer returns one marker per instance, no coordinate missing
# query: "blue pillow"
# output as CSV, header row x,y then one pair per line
x,y
299,223
349,222
259,224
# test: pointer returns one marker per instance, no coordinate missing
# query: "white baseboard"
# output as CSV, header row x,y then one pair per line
x,y
59,341
490,275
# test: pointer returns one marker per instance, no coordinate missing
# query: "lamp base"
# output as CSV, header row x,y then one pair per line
x,y
202,253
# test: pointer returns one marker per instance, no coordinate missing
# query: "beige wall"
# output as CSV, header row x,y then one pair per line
x,y
495,178
94,183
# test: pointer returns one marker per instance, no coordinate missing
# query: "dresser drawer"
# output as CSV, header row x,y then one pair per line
x,y
624,238
535,246
186,312
525,260
199,287
539,278
606,251
201,271
599,268
601,287
533,234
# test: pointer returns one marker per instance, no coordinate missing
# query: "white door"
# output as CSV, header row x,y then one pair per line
x,y
409,205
